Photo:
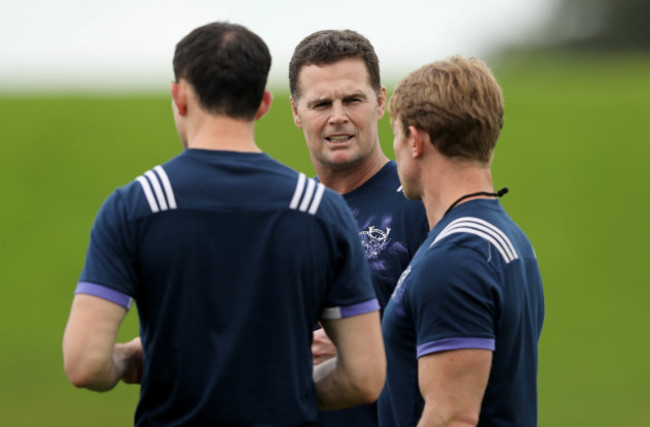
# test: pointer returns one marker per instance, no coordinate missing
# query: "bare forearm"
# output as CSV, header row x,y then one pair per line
x,y
335,389
432,419
431,423
453,383
98,374
356,375
89,349
95,372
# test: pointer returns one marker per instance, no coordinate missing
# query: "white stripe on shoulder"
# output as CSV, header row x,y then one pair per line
x,y
157,190
317,198
307,196
299,187
483,229
148,193
169,192
153,191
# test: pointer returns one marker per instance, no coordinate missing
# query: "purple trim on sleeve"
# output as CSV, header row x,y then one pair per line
x,y
361,308
455,344
104,292
350,310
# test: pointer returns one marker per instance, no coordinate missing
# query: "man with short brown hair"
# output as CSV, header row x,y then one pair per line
x,y
337,100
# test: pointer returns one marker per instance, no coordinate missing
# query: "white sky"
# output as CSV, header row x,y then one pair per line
x,y
129,44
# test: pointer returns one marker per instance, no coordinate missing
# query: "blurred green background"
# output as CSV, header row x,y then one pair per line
x,y
574,153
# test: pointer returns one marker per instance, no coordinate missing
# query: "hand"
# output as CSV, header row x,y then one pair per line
x,y
131,355
322,348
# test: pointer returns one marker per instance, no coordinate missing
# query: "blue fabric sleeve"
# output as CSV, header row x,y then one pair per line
x,y
351,291
109,258
454,301
105,293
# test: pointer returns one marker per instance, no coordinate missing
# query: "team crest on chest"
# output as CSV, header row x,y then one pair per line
x,y
374,240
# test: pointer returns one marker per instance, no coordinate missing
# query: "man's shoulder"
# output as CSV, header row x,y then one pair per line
x,y
494,236
149,192
312,197
384,187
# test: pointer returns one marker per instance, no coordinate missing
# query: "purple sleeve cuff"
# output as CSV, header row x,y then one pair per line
x,y
104,292
455,344
350,310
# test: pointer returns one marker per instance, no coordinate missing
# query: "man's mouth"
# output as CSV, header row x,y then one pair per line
x,y
339,138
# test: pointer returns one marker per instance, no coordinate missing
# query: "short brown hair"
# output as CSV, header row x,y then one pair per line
x,y
457,101
329,46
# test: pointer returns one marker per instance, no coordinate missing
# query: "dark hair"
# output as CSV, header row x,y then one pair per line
x,y
227,65
330,46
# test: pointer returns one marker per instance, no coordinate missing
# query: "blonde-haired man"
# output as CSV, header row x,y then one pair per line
x,y
462,327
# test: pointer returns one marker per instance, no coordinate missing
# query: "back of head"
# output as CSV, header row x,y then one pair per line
x,y
227,65
330,46
458,102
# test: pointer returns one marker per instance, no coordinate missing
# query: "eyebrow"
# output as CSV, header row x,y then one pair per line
x,y
347,97
361,95
317,101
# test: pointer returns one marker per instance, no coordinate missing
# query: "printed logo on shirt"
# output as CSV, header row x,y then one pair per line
x,y
374,240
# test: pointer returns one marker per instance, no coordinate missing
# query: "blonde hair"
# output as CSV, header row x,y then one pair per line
x,y
457,101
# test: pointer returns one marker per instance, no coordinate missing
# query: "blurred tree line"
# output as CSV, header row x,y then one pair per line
x,y
602,24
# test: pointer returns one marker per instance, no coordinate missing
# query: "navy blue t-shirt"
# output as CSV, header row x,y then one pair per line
x,y
391,229
474,283
230,258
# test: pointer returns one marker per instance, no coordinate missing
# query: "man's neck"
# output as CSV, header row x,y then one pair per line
x,y
345,179
223,133
447,185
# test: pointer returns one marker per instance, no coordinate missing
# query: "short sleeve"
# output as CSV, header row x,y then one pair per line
x,y
109,258
351,291
454,300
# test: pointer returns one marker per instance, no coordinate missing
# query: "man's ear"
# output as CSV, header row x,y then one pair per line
x,y
179,96
382,99
294,110
265,105
417,138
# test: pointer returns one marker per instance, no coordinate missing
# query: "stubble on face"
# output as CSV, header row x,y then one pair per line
x,y
338,111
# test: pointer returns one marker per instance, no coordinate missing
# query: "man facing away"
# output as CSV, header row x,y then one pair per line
x,y
231,258
337,100
463,324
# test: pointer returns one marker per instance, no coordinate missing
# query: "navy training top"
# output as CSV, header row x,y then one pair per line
x,y
474,283
231,258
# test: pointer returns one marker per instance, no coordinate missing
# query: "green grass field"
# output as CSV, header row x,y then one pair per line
x,y
573,152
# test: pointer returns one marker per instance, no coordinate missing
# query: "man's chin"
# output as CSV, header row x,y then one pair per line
x,y
342,161
410,194
340,156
